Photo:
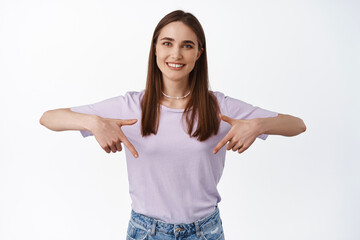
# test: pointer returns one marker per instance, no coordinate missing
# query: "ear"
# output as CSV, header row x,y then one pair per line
x,y
199,53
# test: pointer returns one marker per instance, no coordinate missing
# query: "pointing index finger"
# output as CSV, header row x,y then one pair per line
x,y
131,147
221,143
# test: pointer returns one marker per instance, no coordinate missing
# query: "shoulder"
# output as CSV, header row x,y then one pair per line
x,y
132,96
222,99
225,99
125,101
219,95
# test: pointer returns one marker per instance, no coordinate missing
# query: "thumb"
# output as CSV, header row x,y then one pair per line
x,y
226,119
127,121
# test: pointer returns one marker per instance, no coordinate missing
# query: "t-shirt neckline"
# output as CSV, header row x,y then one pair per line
x,y
172,109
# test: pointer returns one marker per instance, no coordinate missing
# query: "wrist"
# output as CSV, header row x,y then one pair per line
x,y
259,125
91,122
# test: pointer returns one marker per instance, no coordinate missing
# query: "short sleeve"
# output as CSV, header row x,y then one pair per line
x,y
239,109
109,108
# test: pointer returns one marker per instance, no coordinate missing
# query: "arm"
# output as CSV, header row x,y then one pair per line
x,y
283,124
64,119
107,131
244,132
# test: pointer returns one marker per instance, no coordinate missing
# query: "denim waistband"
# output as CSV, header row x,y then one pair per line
x,y
153,225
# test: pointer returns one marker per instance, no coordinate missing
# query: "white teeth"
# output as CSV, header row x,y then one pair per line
x,y
175,65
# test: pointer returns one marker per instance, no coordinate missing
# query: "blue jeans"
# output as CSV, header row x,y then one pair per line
x,y
143,227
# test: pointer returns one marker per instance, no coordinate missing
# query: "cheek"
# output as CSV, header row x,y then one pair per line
x,y
192,62
159,64
160,55
192,57
159,58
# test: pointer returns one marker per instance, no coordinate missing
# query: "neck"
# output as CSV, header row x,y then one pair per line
x,y
176,88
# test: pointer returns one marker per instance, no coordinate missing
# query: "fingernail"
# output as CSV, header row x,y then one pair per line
x,y
136,155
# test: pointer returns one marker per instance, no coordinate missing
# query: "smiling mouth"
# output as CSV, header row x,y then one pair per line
x,y
175,66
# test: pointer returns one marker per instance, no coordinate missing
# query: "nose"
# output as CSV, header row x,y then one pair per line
x,y
176,53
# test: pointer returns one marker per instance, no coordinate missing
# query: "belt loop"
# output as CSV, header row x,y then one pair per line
x,y
197,229
153,227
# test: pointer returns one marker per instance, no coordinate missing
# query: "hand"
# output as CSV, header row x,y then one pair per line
x,y
241,135
109,135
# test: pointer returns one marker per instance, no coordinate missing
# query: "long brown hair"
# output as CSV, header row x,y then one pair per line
x,y
202,101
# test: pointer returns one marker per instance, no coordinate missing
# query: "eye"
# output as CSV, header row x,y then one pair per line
x,y
166,44
188,46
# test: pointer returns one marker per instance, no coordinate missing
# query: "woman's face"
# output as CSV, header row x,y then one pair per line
x,y
176,51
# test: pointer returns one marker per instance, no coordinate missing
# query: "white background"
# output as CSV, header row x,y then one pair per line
x,y
294,57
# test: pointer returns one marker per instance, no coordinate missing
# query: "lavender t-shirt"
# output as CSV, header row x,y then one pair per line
x,y
175,177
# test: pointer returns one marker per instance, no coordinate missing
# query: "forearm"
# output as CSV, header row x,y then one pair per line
x,y
64,119
283,124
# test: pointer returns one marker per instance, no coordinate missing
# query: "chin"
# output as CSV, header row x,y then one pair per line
x,y
177,78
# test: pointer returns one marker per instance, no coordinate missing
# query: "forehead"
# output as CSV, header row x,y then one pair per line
x,y
178,31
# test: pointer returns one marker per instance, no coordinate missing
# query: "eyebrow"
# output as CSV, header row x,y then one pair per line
x,y
172,40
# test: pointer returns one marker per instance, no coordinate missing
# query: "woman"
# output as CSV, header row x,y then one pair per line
x,y
175,155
